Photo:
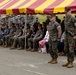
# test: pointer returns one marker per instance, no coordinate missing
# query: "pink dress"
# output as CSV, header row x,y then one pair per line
x,y
42,43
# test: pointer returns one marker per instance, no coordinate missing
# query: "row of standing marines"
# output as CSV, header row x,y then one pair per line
x,y
55,34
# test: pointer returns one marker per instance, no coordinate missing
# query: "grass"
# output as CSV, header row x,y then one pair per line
x,y
42,18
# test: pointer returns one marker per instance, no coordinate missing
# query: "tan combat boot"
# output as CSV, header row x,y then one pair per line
x,y
20,48
13,47
54,61
51,60
65,65
5,46
29,49
33,50
70,65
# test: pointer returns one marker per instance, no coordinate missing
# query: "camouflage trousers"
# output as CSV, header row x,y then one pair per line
x,y
14,41
7,41
30,42
21,41
69,48
53,49
3,40
33,42
10,40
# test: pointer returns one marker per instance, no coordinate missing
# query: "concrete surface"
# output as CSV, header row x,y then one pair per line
x,y
21,62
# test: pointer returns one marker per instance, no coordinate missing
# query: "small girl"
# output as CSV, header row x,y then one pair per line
x,y
42,43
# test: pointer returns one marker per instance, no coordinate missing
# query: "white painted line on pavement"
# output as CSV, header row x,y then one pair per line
x,y
43,62
20,65
33,66
35,72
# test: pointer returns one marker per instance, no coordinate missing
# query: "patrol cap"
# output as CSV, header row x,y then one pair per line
x,y
52,15
67,10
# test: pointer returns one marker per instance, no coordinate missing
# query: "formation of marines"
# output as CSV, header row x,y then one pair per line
x,y
29,38
55,34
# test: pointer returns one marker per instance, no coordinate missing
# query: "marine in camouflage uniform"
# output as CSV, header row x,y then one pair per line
x,y
34,41
21,40
70,26
14,39
54,30
5,33
11,34
26,34
33,32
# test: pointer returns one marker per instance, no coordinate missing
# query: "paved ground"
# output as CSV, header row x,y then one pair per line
x,y
21,62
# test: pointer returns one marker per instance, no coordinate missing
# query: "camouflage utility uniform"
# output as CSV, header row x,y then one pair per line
x,y
14,39
10,35
33,41
53,35
70,26
26,33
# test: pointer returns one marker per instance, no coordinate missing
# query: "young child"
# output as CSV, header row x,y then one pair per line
x,y
42,43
